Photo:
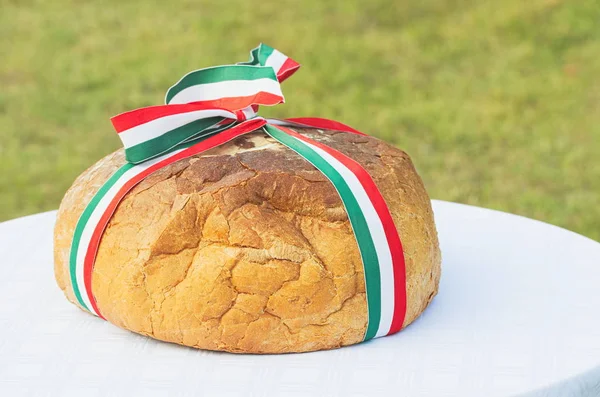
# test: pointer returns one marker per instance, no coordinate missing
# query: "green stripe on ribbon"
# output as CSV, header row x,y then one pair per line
x,y
357,219
159,145
220,74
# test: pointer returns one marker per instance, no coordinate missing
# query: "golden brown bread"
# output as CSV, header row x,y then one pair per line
x,y
247,247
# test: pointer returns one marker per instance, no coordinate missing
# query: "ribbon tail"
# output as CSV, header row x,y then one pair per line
x,y
264,55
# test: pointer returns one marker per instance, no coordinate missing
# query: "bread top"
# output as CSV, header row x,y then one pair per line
x,y
258,233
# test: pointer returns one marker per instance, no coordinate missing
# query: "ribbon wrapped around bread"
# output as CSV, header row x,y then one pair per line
x,y
219,229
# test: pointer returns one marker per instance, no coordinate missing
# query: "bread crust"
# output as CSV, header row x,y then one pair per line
x,y
247,248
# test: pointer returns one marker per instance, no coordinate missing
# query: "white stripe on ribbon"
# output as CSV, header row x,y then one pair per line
x,y
226,89
276,60
378,235
94,219
158,127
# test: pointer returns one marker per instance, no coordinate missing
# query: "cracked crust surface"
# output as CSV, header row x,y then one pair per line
x,y
247,247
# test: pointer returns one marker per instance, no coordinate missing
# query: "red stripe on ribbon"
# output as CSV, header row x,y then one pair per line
x,y
391,233
214,141
317,122
238,103
133,118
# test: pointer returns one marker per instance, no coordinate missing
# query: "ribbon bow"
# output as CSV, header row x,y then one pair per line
x,y
205,102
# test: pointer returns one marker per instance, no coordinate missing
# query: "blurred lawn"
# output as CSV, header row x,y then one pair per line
x,y
498,103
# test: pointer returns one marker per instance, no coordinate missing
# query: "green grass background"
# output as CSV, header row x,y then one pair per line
x,y
496,101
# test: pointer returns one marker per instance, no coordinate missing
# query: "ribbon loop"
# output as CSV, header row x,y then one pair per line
x,y
231,87
205,102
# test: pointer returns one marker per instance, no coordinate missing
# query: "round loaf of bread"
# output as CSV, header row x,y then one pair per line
x,y
247,247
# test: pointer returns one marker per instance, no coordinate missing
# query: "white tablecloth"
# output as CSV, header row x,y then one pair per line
x,y
518,313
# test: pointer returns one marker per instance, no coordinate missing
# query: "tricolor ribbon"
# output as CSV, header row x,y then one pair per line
x,y
209,107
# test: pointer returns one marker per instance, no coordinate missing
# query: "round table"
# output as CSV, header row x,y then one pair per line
x,y
518,313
